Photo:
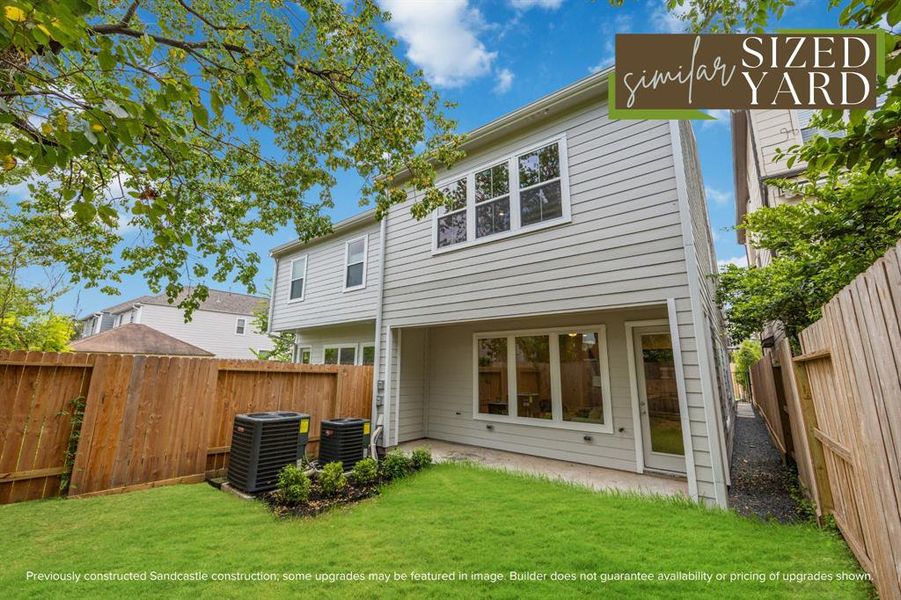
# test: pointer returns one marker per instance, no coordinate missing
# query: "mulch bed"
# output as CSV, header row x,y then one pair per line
x,y
318,503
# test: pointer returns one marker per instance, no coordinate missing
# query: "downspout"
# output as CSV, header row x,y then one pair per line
x,y
383,227
272,293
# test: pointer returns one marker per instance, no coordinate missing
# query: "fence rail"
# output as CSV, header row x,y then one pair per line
x,y
146,420
842,395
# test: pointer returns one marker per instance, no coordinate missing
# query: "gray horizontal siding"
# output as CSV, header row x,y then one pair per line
x,y
317,338
324,301
622,246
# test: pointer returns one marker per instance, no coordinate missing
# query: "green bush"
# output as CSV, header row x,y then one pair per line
x,y
395,465
421,458
365,471
293,485
332,478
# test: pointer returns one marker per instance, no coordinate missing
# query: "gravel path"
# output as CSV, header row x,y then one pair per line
x,y
761,484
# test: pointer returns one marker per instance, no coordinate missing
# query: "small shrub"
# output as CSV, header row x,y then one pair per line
x,y
421,458
293,485
395,465
332,478
365,471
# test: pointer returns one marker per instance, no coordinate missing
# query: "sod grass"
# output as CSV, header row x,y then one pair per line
x,y
450,519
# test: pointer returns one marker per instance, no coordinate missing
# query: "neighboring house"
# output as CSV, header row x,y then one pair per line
x,y
562,308
756,137
222,324
134,338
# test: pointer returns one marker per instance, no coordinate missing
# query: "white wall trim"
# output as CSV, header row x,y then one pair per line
x,y
633,386
380,295
694,292
683,399
386,406
400,341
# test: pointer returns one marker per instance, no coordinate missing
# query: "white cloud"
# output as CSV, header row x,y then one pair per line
x,y
504,81
527,4
668,21
442,39
718,196
621,24
738,261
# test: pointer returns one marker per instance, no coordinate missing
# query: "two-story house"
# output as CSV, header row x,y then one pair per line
x,y
222,324
757,138
561,307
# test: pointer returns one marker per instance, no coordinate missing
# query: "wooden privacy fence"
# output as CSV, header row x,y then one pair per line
x,y
843,398
147,420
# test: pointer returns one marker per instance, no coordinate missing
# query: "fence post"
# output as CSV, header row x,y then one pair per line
x,y
809,424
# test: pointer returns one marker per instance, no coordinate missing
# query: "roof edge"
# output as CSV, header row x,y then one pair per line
x,y
475,138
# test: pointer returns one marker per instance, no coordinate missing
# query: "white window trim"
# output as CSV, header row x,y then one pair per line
x,y
303,291
362,346
298,354
338,347
246,321
513,173
556,422
347,244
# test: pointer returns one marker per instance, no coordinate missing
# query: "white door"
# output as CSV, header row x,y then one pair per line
x,y
658,400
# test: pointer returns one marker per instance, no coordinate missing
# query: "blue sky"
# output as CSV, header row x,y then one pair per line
x,y
492,57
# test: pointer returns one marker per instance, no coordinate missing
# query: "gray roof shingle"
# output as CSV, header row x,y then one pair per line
x,y
217,301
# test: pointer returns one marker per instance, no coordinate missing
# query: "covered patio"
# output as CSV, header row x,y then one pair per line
x,y
597,478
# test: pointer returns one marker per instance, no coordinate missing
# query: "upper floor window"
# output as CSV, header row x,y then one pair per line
x,y
452,224
540,194
355,264
298,276
524,191
240,326
493,200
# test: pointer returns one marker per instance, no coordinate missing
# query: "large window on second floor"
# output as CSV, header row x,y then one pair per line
x,y
524,191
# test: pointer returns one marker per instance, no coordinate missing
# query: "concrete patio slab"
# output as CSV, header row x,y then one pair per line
x,y
598,478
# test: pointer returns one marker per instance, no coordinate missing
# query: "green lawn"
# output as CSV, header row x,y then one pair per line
x,y
448,519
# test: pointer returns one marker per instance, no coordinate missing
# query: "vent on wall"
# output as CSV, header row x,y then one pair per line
x,y
262,444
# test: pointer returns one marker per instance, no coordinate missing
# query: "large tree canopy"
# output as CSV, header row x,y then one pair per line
x,y
198,123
